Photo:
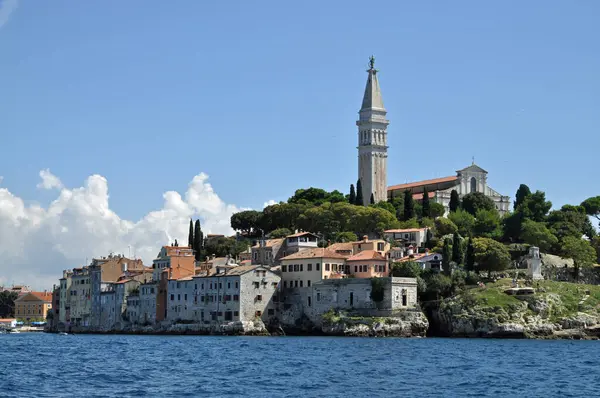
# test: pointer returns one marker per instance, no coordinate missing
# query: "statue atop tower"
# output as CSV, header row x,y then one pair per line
x,y
372,140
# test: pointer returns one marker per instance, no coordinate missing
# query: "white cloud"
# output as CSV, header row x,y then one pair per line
x,y
37,243
49,180
269,203
6,8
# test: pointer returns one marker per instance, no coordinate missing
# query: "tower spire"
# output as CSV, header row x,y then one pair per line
x,y
372,139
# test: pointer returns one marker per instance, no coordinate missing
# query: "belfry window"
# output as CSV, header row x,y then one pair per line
x,y
473,184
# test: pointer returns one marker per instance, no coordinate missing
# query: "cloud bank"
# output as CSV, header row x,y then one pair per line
x,y
6,8
37,243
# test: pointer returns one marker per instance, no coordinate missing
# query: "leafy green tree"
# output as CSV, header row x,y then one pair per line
x,y
386,206
406,269
436,210
464,221
443,226
537,234
447,256
454,201
246,221
512,225
427,223
398,203
412,223
596,245
535,206
316,196
475,201
7,304
359,194
346,237
198,241
438,286
490,255
522,193
457,250
372,199
470,256
409,206
570,221
279,233
592,206
352,197
223,246
487,224
580,250
426,212
282,215
377,289
191,234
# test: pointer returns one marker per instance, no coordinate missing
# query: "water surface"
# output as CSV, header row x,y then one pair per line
x,y
48,365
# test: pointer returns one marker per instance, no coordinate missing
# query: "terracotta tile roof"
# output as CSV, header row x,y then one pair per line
x,y
419,196
270,243
317,252
45,296
245,262
421,183
300,234
341,246
414,257
405,230
122,281
366,255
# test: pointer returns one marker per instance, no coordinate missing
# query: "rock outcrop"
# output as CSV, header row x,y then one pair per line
x,y
401,324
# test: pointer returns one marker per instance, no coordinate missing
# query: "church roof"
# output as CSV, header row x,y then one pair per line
x,y
372,98
422,183
472,167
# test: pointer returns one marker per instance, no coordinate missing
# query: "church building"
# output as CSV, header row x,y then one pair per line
x,y
372,160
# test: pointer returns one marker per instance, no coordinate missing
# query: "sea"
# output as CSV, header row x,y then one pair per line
x,y
51,365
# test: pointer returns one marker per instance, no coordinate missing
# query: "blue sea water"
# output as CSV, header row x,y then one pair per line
x,y
48,365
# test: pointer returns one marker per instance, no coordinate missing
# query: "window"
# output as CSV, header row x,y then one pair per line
x,y
236,297
228,285
326,267
236,285
295,283
256,285
380,246
220,285
211,285
271,311
301,267
284,268
308,283
284,283
296,267
473,184
356,268
236,313
185,297
195,286
318,266
309,299
300,283
172,297
179,297
228,316
202,286
309,267
318,296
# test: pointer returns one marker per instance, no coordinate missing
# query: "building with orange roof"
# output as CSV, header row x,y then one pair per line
x,y
367,264
33,306
271,251
467,180
307,266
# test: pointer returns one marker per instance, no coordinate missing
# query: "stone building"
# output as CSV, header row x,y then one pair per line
x,y
372,140
33,306
224,294
147,307
306,267
367,264
271,251
470,179
416,237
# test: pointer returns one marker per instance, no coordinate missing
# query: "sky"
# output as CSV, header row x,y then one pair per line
x,y
120,120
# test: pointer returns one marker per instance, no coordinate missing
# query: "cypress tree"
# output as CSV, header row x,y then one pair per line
x,y
470,256
446,256
198,241
191,235
359,195
457,250
522,193
425,203
372,199
352,198
454,201
409,206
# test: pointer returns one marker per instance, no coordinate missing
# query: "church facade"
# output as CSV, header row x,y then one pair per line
x,y
372,160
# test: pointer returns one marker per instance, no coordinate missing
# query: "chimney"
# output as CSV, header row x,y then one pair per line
x,y
365,238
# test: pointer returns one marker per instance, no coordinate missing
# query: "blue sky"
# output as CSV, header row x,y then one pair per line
x,y
263,96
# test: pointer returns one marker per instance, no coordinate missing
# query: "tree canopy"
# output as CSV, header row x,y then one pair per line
x,y
454,201
490,255
537,234
521,194
316,196
409,206
475,201
464,221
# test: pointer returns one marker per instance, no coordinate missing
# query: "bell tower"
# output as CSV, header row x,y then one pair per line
x,y
372,140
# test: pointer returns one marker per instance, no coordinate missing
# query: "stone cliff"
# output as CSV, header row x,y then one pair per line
x,y
555,310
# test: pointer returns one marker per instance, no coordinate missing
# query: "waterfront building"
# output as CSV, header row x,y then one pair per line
x,y
147,307
367,264
306,267
271,251
33,306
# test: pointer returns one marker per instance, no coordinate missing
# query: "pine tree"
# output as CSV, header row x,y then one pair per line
x,y
359,195
425,204
352,198
372,200
447,256
409,206
454,201
522,193
191,235
470,256
198,241
457,250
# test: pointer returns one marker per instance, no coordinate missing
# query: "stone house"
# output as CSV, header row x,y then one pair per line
x,y
147,307
417,237
80,297
172,257
271,251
